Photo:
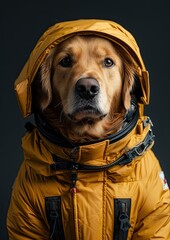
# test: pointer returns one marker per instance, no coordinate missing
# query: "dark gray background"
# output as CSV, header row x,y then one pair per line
x,y
23,22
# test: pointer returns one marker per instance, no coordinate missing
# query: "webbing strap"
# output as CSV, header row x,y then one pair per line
x,y
139,150
54,216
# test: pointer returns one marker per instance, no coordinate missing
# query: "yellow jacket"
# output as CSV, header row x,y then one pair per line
x,y
59,194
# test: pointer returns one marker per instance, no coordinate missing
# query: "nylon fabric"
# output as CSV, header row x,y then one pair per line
x,y
88,209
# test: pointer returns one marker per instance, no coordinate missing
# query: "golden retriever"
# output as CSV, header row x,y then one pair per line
x,y
84,87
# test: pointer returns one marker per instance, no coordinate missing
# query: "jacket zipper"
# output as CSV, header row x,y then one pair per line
x,y
121,218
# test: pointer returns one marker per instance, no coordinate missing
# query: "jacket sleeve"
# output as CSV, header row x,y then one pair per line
x,y
154,216
23,221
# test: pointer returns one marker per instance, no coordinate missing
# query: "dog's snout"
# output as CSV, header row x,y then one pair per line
x,y
87,88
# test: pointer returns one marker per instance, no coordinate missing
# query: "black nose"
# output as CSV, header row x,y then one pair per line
x,y
87,88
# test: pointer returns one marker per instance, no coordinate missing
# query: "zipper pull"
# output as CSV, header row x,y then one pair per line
x,y
122,208
124,218
74,178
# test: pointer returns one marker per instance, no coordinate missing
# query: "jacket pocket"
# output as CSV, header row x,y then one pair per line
x,y
54,216
122,208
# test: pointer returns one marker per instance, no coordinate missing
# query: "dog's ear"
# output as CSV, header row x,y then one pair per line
x,y
41,86
128,75
128,82
45,81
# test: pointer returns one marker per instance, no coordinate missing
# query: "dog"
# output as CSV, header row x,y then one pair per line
x,y
88,172
84,87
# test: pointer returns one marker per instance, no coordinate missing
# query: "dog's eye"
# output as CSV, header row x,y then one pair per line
x,y
66,62
108,62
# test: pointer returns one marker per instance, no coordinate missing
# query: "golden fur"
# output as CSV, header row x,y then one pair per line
x,y
98,61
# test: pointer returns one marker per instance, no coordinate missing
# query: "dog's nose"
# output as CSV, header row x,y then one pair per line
x,y
87,88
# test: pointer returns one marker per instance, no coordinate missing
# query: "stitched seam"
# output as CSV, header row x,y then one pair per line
x,y
104,206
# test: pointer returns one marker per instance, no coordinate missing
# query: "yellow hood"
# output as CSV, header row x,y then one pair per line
x,y
60,32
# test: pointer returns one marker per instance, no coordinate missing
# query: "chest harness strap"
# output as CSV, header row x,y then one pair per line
x,y
54,216
139,150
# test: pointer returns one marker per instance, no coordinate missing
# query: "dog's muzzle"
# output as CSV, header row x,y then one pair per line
x,y
86,101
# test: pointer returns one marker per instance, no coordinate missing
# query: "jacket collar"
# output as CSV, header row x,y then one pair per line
x,y
39,151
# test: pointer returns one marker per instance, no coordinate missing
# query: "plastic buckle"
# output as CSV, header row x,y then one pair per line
x,y
147,121
140,149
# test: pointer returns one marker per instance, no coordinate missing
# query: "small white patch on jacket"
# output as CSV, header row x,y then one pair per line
x,y
163,180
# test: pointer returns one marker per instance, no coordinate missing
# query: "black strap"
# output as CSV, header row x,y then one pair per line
x,y
54,216
48,132
139,150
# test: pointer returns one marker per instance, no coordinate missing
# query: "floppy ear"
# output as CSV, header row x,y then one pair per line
x,y
129,71
128,82
45,80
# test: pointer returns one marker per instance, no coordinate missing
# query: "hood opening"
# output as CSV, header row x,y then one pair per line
x,y
64,30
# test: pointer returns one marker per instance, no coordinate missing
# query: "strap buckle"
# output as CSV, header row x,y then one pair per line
x,y
126,158
140,149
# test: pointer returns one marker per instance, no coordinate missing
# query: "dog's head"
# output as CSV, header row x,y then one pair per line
x,y
85,83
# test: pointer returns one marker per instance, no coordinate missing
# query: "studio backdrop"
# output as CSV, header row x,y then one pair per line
x,y
22,23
